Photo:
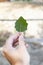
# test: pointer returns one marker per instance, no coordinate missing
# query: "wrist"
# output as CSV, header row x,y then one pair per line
x,y
19,62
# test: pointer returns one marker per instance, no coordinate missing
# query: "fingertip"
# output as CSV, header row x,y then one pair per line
x,y
27,45
21,38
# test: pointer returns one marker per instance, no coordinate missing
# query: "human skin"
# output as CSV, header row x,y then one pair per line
x,y
16,55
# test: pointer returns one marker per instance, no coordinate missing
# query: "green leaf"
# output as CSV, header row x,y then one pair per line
x,y
21,24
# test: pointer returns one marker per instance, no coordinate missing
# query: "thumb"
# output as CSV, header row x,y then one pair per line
x,y
22,46
21,40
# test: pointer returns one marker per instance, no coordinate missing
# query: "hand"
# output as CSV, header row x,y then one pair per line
x,y
15,50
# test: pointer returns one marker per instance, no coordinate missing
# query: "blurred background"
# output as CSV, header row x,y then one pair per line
x,y
22,0
32,11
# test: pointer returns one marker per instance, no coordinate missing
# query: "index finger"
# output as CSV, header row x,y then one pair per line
x,y
12,38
